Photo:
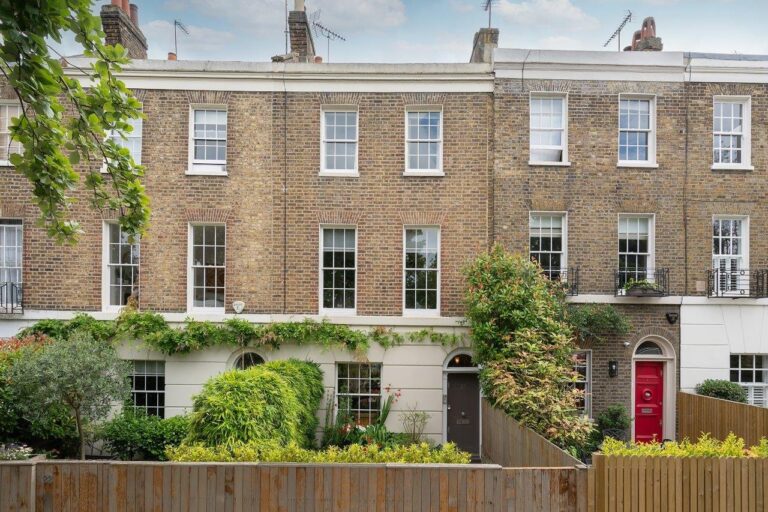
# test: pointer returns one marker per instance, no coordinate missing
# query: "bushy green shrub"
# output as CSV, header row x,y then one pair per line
x,y
135,435
594,323
517,318
723,389
306,380
239,406
614,417
706,446
269,452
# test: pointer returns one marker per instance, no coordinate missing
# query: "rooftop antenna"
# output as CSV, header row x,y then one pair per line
x,y
286,27
329,35
488,6
183,28
617,33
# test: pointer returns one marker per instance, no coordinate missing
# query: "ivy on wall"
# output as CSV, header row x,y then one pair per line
x,y
153,330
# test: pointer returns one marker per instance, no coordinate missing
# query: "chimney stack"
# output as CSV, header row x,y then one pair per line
x,y
486,40
120,22
645,40
300,34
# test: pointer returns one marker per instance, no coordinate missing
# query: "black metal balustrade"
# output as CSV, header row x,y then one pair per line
x,y
11,298
737,283
569,279
632,282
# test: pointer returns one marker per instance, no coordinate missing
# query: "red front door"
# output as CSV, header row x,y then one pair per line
x,y
649,398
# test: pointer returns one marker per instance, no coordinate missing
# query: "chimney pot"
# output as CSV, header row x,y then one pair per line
x,y
126,7
118,3
298,5
171,56
135,14
318,59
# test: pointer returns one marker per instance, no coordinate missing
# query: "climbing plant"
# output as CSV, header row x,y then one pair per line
x,y
155,332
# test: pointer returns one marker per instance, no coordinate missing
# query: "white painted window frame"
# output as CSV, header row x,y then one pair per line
x,y
20,266
745,246
564,252
205,167
190,269
335,311
651,261
6,130
424,312
135,391
349,173
105,264
750,387
336,393
651,162
746,135
565,162
424,172
132,135
588,381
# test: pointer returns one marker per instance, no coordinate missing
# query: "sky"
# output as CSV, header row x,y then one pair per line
x,y
442,30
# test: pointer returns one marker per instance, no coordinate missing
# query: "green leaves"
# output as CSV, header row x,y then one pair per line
x,y
45,92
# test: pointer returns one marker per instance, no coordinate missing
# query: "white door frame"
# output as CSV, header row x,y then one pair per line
x,y
446,372
669,358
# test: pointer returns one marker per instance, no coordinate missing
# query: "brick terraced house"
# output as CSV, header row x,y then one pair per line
x,y
357,192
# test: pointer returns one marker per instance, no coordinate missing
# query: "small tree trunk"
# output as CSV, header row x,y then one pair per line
x,y
79,424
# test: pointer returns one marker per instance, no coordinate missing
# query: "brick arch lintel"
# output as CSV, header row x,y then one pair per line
x,y
13,210
655,332
208,97
212,215
416,218
340,217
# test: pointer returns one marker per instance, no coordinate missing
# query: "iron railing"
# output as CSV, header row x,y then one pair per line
x,y
11,298
737,283
633,282
568,278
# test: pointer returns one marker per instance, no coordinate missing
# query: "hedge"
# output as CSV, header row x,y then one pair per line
x,y
269,452
723,389
706,446
134,435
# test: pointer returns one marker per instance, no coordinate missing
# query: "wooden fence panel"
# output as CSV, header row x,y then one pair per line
x,y
509,444
698,414
62,486
696,484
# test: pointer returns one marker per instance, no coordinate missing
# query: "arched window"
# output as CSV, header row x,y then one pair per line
x,y
461,361
649,348
247,359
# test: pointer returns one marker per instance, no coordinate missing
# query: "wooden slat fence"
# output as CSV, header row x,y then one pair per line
x,y
17,480
509,444
697,414
68,486
696,484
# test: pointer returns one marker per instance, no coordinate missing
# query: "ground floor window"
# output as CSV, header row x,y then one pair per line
x,y
358,391
148,387
749,370
582,365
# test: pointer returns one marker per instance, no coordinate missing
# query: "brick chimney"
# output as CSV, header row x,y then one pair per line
x,y
300,33
486,39
120,21
645,40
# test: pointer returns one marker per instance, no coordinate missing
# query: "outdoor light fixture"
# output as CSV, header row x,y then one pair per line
x,y
238,306
613,368
672,317
626,344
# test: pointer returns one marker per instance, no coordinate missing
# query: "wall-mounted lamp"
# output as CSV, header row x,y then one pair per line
x,y
238,306
613,368
672,317
626,344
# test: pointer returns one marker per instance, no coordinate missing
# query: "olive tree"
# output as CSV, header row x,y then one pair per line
x,y
81,373
63,122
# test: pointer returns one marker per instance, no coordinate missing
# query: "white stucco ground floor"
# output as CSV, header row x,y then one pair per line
x,y
726,339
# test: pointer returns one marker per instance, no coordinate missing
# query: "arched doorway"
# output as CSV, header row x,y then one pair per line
x,y
461,403
653,390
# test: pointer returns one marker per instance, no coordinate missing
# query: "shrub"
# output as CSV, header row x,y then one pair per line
x,y
524,346
614,417
135,435
306,380
15,452
268,452
594,323
241,406
706,446
723,389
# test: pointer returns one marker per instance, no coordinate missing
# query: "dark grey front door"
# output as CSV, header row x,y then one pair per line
x,y
464,411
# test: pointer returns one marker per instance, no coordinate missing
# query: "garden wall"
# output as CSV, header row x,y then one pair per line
x,y
63,486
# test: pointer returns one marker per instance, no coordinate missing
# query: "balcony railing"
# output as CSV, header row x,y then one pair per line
x,y
642,282
737,283
11,298
568,278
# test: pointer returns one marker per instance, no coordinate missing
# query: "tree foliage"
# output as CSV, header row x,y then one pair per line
x,y
524,346
595,323
63,123
82,374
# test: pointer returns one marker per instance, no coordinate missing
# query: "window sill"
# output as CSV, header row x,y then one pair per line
x,y
205,172
726,167
5,163
339,174
549,164
416,313
433,173
638,165
338,312
206,311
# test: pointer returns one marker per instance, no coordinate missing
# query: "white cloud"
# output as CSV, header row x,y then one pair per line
x,y
349,15
546,13
201,43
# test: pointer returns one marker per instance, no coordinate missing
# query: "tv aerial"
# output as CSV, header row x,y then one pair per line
x,y
180,26
617,33
488,7
327,33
